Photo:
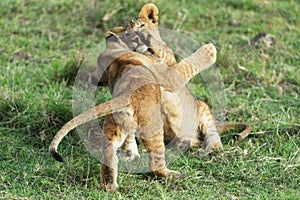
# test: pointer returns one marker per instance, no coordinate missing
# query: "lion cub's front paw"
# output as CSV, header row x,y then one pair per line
x,y
129,152
204,57
211,144
128,155
211,52
207,54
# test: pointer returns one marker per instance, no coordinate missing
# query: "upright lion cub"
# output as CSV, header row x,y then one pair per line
x,y
143,77
136,108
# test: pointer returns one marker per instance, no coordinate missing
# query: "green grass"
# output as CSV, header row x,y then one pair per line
x,y
38,45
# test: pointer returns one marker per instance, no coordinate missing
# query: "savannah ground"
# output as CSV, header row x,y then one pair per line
x,y
39,45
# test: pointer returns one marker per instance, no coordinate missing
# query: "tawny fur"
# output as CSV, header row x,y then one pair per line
x,y
148,110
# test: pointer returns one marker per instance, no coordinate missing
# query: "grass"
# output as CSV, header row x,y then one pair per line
x,y
38,43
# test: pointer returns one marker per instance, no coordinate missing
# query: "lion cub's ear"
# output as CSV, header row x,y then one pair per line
x,y
150,13
117,29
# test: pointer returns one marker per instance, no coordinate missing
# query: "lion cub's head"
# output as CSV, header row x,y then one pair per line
x,y
137,34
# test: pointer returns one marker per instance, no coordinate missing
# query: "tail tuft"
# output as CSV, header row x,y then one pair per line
x,y
235,136
56,155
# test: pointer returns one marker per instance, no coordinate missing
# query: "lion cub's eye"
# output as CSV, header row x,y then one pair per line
x,y
142,25
127,33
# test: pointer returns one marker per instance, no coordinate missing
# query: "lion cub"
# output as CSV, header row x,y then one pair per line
x,y
143,80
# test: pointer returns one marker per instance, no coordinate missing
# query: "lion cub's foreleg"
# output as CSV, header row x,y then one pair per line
x,y
208,128
129,150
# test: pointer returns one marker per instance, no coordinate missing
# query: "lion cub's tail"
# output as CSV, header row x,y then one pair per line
x,y
243,129
93,113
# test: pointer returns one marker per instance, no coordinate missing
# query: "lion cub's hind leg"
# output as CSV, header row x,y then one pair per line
x,y
208,129
115,137
156,150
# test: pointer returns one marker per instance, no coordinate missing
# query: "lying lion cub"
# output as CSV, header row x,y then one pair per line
x,y
146,81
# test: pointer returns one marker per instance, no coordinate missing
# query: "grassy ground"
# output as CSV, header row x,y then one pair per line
x,y
38,43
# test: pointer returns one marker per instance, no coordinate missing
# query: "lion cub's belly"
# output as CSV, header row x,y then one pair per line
x,y
181,116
